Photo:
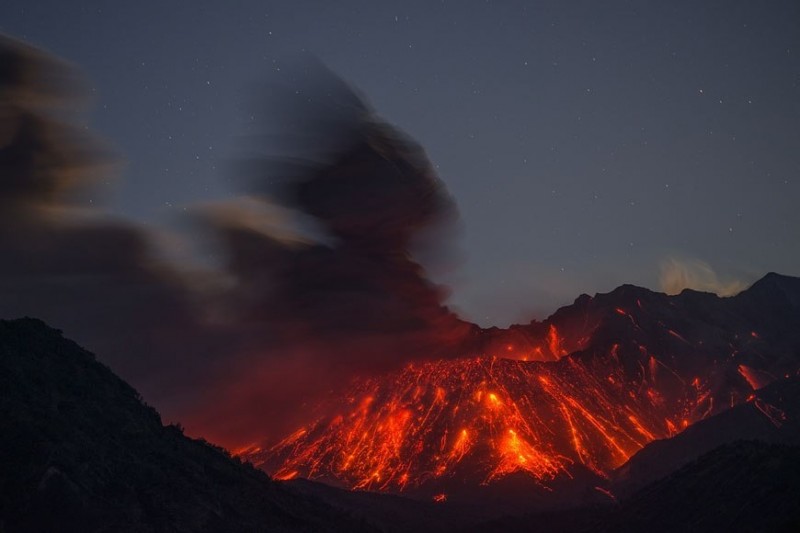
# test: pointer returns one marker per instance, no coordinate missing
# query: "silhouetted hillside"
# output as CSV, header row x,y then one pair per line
x,y
744,486
79,451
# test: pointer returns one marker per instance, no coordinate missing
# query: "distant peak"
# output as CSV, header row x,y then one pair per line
x,y
773,279
628,289
774,276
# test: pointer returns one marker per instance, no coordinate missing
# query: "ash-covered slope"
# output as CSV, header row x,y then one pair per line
x,y
79,451
625,368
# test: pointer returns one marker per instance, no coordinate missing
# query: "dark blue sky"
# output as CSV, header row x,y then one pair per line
x,y
587,144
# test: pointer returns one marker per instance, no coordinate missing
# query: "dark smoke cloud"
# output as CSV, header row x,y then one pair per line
x,y
94,277
235,353
370,191
43,159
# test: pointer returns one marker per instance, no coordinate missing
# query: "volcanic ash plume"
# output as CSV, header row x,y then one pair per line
x,y
369,194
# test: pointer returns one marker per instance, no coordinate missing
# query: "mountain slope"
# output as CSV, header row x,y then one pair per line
x,y
771,416
574,396
80,452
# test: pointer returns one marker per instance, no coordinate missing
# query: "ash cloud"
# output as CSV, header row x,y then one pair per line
x,y
92,276
369,190
235,353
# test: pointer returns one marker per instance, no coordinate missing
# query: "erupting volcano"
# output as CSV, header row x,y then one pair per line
x,y
307,297
433,428
483,418
456,406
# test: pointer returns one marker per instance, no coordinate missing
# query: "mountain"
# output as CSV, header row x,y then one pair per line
x,y
738,470
80,451
553,406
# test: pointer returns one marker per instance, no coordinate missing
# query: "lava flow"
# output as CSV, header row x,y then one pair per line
x,y
476,420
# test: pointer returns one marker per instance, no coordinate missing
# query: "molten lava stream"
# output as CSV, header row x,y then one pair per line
x,y
477,420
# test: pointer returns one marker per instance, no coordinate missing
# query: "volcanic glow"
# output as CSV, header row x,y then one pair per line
x,y
477,420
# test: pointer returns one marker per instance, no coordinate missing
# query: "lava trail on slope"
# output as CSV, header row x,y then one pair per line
x,y
476,420
604,377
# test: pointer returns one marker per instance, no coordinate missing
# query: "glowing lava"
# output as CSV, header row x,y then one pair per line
x,y
477,420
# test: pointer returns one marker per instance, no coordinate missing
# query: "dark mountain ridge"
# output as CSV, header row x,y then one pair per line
x,y
80,451
744,486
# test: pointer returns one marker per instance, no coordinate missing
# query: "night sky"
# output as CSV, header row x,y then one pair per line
x,y
586,144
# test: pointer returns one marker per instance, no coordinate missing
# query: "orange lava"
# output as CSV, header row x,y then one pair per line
x,y
477,420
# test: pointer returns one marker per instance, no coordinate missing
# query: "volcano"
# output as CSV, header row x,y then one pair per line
x,y
569,398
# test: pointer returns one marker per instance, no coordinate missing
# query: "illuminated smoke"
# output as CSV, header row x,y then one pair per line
x,y
678,274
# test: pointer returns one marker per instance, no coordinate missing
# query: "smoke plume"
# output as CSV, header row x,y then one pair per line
x,y
677,275
293,311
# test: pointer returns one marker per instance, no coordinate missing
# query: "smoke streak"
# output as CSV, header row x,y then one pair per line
x,y
677,275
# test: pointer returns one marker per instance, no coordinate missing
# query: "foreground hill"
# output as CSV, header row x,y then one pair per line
x,y
80,451
746,486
